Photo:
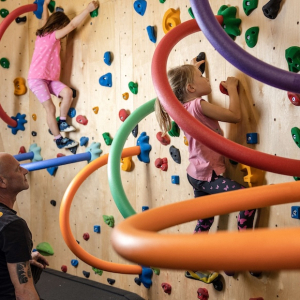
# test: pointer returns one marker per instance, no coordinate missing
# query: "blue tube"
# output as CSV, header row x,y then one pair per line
x,y
24,156
55,162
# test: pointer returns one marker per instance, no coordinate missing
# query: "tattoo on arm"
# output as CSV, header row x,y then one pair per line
x,y
24,272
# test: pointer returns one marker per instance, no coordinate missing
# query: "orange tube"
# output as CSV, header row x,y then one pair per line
x,y
263,249
64,218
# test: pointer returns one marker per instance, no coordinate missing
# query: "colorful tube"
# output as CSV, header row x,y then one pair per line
x,y
260,160
24,156
242,60
64,218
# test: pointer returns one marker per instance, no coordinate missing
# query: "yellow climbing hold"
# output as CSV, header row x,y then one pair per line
x,y
34,117
126,163
171,19
20,87
95,109
1,214
185,141
125,96
254,177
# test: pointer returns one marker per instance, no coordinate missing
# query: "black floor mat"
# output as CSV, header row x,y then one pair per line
x,y
55,285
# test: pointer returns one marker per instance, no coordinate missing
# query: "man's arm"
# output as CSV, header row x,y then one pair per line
x,y
21,277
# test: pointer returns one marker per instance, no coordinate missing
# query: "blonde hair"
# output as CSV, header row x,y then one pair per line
x,y
179,78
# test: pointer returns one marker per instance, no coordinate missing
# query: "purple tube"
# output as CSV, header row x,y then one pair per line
x,y
242,60
24,156
59,161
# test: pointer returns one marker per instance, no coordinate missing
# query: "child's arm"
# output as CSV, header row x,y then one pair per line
x,y
77,20
45,14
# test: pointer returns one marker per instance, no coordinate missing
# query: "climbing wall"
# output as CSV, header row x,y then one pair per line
x,y
119,29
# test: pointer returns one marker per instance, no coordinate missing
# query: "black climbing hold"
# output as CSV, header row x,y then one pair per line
x,y
33,133
175,154
53,202
218,285
73,149
74,93
255,274
271,9
59,9
200,57
86,274
78,242
50,131
135,130
137,281
111,281
21,19
233,162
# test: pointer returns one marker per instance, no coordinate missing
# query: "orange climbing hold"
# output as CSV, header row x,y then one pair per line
x,y
171,19
126,163
125,96
20,87
34,117
96,109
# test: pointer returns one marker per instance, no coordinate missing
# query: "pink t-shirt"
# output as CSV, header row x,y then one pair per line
x,y
45,63
202,159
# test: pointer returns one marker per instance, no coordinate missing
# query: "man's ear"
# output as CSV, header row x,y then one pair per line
x,y
190,88
3,182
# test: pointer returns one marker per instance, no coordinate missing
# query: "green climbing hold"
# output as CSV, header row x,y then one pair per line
x,y
94,13
51,6
133,87
296,135
97,271
191,13
156,270
175,130
251,36
230,22
249,6
108,140
4,62
4,12
109,220
162,1
45,249
292,56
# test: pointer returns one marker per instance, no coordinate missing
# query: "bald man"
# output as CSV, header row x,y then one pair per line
x,y
16,257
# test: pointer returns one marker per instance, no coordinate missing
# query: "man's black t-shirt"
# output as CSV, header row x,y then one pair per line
x,y
15,246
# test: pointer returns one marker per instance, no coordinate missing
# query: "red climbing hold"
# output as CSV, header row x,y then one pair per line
x,y
86,236
167,288
223,90
82,120
22,150
158,162
123,114
202,294
165,140
294,98
60,155
161,163
64,268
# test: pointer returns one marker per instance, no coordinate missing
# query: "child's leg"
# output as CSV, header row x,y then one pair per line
x,y
66,95
51,119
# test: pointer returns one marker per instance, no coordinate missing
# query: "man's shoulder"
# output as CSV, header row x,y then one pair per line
x,y
7,216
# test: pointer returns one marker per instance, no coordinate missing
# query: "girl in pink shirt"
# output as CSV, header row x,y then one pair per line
x,y
44,71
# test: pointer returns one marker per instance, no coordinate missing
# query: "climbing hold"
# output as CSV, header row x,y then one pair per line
x,y
296,135
249,6
53,202
106,80
294,98
175,153
137,281
20,87
158,163
22,150
146,276
107,58
144,208
133,87
64,268
135,131
51,6
39,11
84,140
74,262
21,19
95,150
175,179
74,93
4,12
125,96
111,281
82,120
185,141
171,19
86,274
202,294
161,164
97,271
45,249
59,9
230,22
59,155
295,212
4,62
251,36
72,112
20,123
165,140
109,220
271,9
151,33
86,236
52,170
223,90
252,138
166,287
233,162
107,139
206,277
201,56
143,142
94,13
175,131
33,133
156,270
97,228
96,109
162,1
123,114
292,56
140,6
126,163
254,177
190,11
255,274
34,117
73,149
36,152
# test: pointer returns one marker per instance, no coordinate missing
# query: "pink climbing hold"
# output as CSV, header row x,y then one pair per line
x,y
82,120
22,150
86,236
64,268
202,294
167,288
165,140
123,114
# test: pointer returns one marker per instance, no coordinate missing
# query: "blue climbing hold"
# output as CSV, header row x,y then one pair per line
x,y
97,228
74,262
151,33
146,276
107,58
95,151
20,123
84,140
39,11
145,208
140,6
106,80
175,179
52,170
72,112
143,142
